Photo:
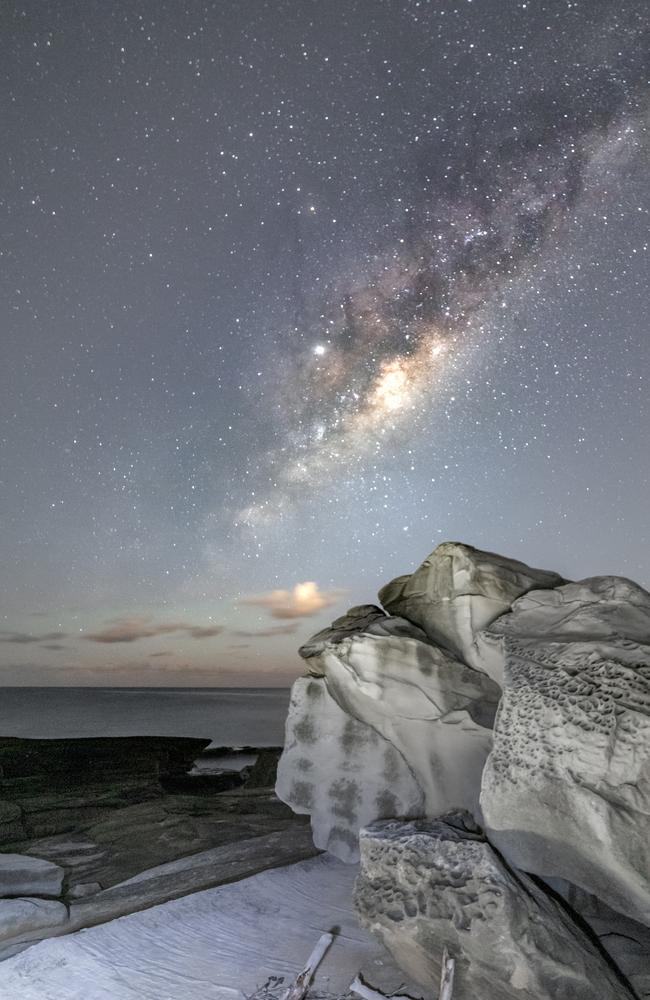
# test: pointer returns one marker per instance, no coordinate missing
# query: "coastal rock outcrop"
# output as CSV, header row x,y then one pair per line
x,y
458,590
563,767
566,788
429,884
123,824
52,786
415,678
340,771
408,719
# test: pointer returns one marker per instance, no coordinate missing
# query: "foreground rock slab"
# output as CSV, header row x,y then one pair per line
x,y
459,590
32,920
227,942
21,875
21,920
566,788
429,884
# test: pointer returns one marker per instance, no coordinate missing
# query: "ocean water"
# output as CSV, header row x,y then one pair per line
x,y
227,716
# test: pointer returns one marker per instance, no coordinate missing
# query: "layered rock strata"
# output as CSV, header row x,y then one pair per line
x,y
52,786
563,767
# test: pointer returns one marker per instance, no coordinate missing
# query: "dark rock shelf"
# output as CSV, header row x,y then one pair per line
x,y
108,811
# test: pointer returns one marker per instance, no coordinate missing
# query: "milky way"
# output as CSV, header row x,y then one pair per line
x,y
293,290
490,207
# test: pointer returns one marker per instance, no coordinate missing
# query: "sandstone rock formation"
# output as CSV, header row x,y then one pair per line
x,y
406,681
458,590
425,885
566,789
22,920
380,676
366,619
565,776
435,710
21,875
340,771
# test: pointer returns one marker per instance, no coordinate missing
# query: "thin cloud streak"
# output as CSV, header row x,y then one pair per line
x,y
133,629
267,633
24,638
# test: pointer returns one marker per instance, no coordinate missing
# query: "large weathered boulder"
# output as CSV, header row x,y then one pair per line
x,y
459,590
382,676
22,875
566,788
435,710
426,885
340,771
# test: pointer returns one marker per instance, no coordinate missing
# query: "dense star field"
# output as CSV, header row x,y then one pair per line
x,y
294,290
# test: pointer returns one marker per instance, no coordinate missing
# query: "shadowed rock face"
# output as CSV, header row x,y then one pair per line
x,y
51,786
458,590
426,885
566,789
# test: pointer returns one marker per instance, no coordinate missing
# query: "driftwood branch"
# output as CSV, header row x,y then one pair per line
x,y
363,990
300,985
446,976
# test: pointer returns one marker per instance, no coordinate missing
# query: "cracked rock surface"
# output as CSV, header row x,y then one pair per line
x,y
429,884
566,788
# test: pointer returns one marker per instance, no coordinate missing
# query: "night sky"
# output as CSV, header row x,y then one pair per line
x,y
294,290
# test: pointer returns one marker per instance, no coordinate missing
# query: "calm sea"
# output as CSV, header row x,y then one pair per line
x,y
227,716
